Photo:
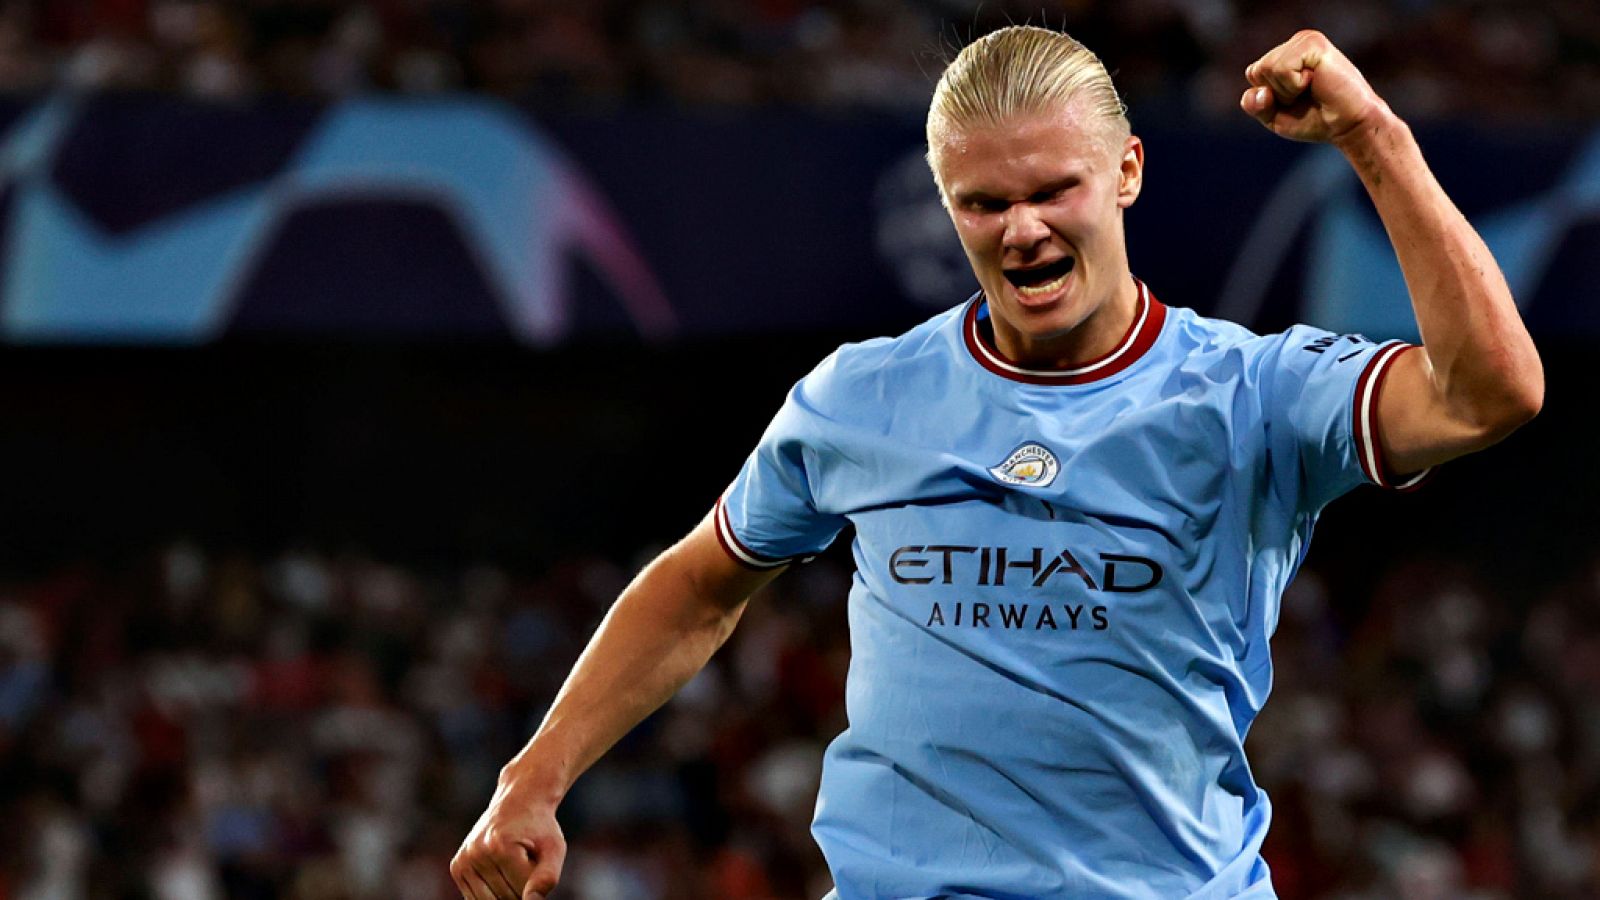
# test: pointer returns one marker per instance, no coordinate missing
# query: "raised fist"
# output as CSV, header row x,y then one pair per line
x,y
1304,89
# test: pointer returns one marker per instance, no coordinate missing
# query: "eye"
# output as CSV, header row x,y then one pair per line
x,y
987,205
1054,192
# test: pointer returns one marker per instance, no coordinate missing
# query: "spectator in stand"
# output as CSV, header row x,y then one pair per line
x,y
1441,744
1489,60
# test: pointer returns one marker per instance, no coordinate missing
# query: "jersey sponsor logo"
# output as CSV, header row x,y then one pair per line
x,y
1016,616
1032,465
955,564
1016,568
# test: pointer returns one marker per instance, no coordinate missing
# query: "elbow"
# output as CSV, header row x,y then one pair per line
x,y
1519,399
1531,398
1526,393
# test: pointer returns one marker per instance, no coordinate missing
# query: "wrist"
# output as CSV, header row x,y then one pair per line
x,y
531,774
1372,134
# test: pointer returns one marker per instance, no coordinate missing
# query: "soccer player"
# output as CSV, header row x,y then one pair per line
x,y
1075,509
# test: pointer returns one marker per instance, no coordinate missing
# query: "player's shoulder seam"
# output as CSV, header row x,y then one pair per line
x,y
843,373
1206,333
869,357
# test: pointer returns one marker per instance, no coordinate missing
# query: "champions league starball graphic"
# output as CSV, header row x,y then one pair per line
x,y
518,206
1352,281
914,237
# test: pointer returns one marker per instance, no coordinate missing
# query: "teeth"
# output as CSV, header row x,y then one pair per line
x,y
1044,288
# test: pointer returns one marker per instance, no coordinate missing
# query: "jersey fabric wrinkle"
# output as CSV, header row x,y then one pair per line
x,y
1065,584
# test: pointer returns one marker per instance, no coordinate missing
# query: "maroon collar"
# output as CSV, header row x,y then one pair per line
x,y
1147,320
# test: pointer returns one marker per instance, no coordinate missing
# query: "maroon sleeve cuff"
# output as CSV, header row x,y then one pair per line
x,y
735,548
1369,443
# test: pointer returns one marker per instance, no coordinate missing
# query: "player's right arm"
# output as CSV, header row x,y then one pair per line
x,y
660,632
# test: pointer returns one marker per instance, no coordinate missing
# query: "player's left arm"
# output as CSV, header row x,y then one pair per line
x,y
1477,376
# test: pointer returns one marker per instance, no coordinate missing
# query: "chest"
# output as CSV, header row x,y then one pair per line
x,y
1159,461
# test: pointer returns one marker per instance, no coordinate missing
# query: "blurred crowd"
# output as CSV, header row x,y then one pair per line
x,y
1470,59
194,728
1444,744
319,727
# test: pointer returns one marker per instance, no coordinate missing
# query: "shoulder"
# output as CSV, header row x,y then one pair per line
x,y
1201,344
868,369
1203,334
1222,358
1203,340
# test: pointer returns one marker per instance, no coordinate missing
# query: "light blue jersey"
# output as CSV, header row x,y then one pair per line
x,y
1065,583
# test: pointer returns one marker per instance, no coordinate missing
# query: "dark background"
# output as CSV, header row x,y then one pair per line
x,y
276,603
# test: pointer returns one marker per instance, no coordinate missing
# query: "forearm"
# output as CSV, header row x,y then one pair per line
x,y
661,631
1483,363
658,634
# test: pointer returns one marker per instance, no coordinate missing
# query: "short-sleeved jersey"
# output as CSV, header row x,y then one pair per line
x,y
1065,583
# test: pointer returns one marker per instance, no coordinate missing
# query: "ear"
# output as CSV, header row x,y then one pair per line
x,y
1132,171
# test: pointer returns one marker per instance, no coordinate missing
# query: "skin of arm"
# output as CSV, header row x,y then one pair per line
x,y
1477,376
659,633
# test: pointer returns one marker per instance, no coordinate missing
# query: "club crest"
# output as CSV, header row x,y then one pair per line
x,y
1031,464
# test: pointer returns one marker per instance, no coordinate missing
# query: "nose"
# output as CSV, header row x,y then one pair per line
x,y
1024,227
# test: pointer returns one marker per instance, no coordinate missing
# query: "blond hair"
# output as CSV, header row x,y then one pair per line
x,y
1020,70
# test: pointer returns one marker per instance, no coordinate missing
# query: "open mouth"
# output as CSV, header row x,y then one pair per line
x,y
1041,279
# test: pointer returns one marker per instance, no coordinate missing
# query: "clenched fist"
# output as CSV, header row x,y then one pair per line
x,y
515,850
1304,89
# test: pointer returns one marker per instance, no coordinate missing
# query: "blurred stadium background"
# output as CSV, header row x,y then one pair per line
x,y
355,354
